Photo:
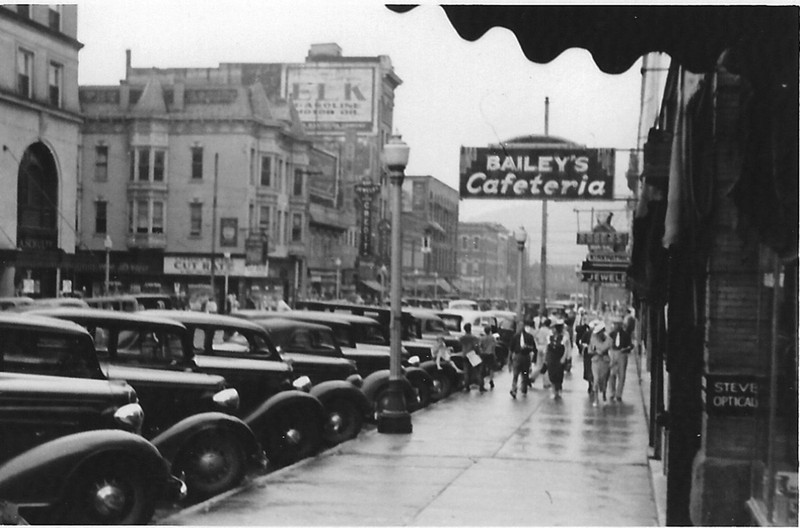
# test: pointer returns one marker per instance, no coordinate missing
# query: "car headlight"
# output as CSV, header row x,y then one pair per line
x,y
302,383
413,361
227,399
356,380
130,417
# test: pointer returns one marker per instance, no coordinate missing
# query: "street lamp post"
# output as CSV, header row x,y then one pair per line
x,y
382,274
227,273
435,285
393,416
107,244
416,282
520,235
338,263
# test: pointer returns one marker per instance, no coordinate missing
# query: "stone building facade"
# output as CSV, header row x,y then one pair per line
x,y
40,130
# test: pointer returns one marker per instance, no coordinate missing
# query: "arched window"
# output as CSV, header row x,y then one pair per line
x,y
37,198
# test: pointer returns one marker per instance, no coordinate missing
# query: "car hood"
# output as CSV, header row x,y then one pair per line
x,y
64,389
153,376
226,363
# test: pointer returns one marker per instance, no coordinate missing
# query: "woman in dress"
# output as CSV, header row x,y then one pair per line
x,y
599,345
556,356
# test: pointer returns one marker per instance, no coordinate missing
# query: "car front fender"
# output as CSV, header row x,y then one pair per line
x,y
432,370
328,391
170,442
378,380
418,374
298,400
40,477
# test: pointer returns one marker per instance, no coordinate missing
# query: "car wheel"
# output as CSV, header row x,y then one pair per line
x,y
291,435
422,394
442,386
343,421
110,492
212,462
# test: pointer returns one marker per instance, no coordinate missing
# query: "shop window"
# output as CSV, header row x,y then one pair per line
x,y
197,163
100,217
25,73
195,219
54,17
101,163
297,227
143,160
266,171
158,165
158,217
264,224
55,82
298,183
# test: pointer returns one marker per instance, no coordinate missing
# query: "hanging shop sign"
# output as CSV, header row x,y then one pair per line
x,y
603,260
591,267
229,232
604,277
536,173
602,238
255,249
732,394
366,191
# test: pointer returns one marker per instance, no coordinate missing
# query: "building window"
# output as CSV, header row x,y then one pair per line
x,y
464,269
264,218
24,10
101,163
195,219
142,216
25,73
298,182
197,163
54,17
143,158
476,243
464,242
100,217
266,171
297,227
158,217
55,81
158,165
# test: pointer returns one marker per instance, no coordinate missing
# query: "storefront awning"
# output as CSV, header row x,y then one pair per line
x,y
617,35
372,285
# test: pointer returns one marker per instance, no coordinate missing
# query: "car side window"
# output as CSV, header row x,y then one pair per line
x,y
372,335
45,353
229,341
149,347
300,340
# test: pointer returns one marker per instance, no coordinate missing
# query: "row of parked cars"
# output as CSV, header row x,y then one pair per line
x,y
105,412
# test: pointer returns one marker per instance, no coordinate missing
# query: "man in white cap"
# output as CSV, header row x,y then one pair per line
x,y
599,346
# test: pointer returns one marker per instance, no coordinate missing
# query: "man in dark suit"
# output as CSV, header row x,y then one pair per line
x,y
522,347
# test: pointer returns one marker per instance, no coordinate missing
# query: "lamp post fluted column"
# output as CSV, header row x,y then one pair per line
x,y
393,415
108,244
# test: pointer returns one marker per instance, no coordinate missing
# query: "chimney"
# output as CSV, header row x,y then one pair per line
x,y
127,63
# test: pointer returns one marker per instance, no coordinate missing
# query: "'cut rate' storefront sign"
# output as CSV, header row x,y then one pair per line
x,y
535,174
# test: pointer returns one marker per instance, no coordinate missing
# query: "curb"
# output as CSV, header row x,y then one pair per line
x,y
658,480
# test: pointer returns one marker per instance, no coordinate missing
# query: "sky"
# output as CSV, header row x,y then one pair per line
x,y
454,93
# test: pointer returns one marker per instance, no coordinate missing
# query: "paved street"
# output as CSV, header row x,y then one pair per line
x,y
474,459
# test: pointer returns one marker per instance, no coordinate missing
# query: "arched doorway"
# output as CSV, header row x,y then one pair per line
x,y
37,222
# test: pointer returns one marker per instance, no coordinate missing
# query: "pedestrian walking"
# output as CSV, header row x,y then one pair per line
x,y
556,356
470,346
542,338
583,333
599,345
488,356
522,346
621,346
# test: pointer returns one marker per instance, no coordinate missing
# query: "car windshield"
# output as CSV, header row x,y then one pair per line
x,y
370,334
452,322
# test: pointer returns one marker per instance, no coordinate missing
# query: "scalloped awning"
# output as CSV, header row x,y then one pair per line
x,y
618,35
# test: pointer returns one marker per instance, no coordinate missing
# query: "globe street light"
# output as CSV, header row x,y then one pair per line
x,y
520,235
338,263
393,416
108,244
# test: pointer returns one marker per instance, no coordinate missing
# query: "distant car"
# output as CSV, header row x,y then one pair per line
x,y
49,302
9,303
132,302
462,304
288,423
62,462
221,341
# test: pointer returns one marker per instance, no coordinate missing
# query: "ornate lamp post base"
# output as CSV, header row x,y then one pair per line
x,y
394,418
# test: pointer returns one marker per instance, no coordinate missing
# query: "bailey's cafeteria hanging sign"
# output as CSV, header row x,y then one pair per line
x,y
535,173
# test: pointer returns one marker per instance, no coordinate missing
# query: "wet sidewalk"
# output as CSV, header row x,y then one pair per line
x,y
472,460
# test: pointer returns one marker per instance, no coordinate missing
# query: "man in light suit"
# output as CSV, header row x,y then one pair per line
x,y
522,347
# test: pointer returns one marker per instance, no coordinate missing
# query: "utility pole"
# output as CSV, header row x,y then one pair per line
x,y
214,222
543,304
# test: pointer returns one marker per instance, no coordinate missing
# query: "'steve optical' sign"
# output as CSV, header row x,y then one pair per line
x,y
731,394
536,174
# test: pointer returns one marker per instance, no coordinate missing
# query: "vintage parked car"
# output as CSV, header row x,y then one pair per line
x,y
223,342
62,461
10,303
155,355
132,302
351,332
